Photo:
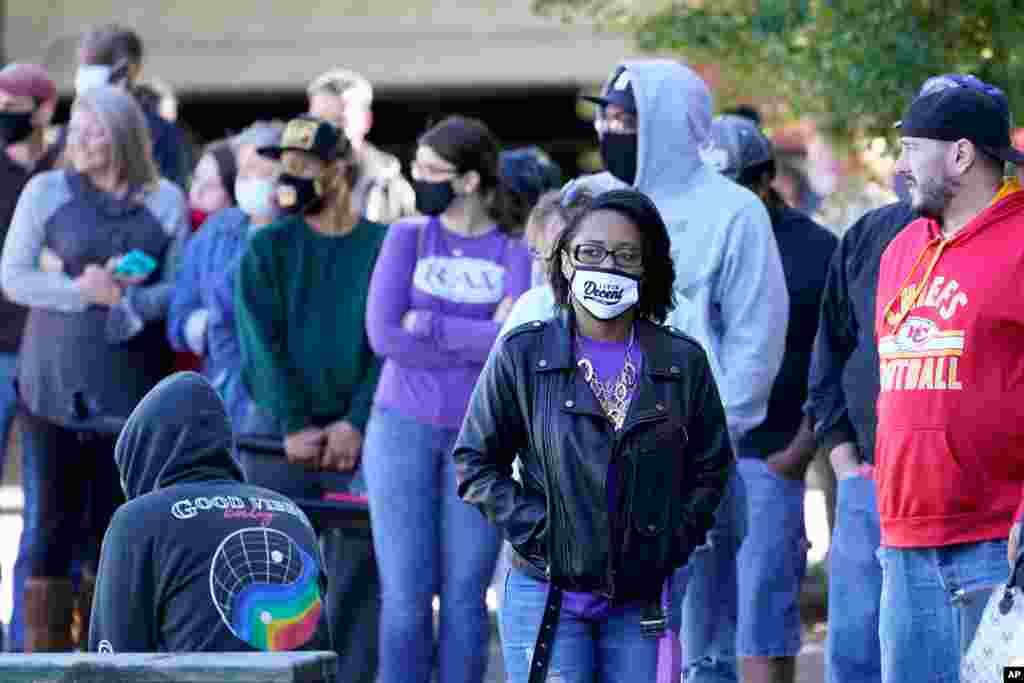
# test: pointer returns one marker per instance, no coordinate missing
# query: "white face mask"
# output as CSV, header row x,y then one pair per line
x,y
607,294
90,76
255,195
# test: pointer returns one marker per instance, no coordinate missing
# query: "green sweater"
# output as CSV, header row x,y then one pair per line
x,y
301,306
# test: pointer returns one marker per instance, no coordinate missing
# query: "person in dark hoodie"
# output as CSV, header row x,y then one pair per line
x,y
773,458
197,560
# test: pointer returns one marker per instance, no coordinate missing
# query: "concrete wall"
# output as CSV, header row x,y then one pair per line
x,y
207,46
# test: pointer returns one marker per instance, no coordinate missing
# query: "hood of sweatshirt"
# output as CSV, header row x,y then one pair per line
x,y
178,433
1007,202
730,288
674,112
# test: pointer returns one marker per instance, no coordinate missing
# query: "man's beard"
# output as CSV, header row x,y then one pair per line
x,y
931,196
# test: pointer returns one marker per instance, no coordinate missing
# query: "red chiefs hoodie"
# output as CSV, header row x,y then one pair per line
x,y
949,462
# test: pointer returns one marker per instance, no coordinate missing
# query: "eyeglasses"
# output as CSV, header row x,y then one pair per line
x,y
595,254
619,124
424,170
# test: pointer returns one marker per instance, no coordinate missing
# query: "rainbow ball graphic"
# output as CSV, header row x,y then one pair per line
x,y
266,589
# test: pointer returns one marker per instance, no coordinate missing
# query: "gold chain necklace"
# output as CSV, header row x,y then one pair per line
x,y
615,394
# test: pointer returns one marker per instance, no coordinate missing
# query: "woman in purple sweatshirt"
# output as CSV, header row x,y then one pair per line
x,y
442,286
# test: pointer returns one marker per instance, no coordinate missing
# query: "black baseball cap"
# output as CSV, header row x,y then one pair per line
x,y
952,114
618,91
311,135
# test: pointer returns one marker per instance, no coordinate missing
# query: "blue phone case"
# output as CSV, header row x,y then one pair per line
x,y
135,263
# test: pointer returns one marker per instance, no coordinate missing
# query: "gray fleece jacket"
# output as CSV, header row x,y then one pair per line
x,y
730,288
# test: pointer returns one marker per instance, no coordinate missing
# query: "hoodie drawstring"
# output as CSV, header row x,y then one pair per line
x,y
894,318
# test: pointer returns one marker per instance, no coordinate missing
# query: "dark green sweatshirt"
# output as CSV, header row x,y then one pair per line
x,y
301,306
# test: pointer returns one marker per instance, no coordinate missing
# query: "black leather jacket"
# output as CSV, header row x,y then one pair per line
x,y
673,456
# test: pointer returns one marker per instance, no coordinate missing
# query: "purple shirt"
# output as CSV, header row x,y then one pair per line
x,y
607,359
455,284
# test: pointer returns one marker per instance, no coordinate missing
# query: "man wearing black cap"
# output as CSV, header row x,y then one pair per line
x,y
300,302
950,331
842,396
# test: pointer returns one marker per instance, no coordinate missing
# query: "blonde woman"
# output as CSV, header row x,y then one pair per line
x,y
94,340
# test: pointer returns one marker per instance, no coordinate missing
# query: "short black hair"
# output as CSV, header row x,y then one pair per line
x,y
747,111
657,290
754,175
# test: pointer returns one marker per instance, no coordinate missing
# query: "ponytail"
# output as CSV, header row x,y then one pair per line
x,y
469,145
505,208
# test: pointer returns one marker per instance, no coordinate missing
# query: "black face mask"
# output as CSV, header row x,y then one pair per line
x,y
15,126
433,199
298,195
619,152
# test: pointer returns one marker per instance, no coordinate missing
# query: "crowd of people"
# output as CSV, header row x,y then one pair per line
x,y
389,385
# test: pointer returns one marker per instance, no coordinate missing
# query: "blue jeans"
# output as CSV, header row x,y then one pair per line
x,y
28,544
772,563
706,587
932,602
8,400
852,652
8,408
26,547
606,651
428,542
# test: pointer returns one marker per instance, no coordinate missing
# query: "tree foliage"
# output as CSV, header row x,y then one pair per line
x,y
854,64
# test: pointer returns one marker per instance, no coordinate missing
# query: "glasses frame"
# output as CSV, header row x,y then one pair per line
x,y
614,253
418,169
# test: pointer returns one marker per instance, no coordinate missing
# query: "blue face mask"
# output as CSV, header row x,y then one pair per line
x,y
90,76
255,196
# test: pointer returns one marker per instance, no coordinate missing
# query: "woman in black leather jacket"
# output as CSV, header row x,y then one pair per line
x,y
623,453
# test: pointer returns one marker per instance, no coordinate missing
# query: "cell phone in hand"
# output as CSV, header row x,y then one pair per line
x,y
135,264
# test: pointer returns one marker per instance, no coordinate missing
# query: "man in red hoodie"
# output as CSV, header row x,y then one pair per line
x,y
950,330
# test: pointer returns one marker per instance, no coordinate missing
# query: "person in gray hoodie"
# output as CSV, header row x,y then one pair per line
x,y
654,123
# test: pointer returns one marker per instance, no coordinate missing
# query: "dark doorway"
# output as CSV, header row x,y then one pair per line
x,y
547,117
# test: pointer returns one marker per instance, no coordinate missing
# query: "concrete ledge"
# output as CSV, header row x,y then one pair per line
x,y
235,667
